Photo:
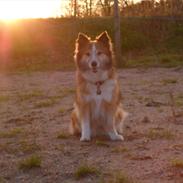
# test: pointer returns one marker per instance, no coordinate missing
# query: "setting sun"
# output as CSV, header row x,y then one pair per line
x,y
16,9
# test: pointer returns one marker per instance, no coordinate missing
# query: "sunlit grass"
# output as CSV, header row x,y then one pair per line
x,y
62,135
169,81
122,177
28,147
45,103
11,133
160,134
33,161
120,150
85,170
102,143
178,163
31,94
4,98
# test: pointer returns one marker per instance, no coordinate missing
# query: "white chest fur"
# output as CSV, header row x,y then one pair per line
x,y
106,88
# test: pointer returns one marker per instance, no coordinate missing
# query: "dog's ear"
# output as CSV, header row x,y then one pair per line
x,y
82,39
104,38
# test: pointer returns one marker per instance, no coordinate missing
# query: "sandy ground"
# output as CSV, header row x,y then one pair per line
x,y
34,118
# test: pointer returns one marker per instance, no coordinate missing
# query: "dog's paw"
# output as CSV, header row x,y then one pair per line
x,y
116,137
85,139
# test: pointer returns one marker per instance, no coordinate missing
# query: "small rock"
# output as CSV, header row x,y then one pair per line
x,y
145,120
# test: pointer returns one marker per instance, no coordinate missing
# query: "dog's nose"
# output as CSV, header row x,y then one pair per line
x,y
94,64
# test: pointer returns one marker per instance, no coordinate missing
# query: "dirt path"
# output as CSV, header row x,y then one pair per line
x,y
35,110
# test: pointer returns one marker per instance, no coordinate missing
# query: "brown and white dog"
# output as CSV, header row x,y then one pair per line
x,y
97,109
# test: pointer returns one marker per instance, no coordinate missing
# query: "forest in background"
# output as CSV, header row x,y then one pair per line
x,y
49,43
128,8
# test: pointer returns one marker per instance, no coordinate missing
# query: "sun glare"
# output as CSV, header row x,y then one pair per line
x,y
20,9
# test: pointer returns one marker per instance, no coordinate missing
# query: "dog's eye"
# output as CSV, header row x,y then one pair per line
x,y
87,54
99,53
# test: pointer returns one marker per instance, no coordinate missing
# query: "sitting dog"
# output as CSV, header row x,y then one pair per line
x,y
97,108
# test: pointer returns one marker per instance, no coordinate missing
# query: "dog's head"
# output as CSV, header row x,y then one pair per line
x,y
93,55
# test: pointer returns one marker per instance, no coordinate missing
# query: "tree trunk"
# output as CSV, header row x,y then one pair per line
x,y
117,36
90,8
75,8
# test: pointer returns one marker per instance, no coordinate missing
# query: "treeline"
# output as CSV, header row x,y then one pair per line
x,y
128,8
48,44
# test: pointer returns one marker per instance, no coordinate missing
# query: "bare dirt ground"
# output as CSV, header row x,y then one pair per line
x,y
34,118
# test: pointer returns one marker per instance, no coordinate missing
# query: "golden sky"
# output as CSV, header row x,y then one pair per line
x,y
14,9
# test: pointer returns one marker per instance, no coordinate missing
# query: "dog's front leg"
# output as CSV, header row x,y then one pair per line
x,y
111,130
85,127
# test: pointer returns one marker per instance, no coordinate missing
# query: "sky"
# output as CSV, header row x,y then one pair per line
x,y
10,9
14,9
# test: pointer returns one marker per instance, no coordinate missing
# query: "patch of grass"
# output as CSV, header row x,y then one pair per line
x,y
8,148
120,150
62,110
60,147
2,180
27,147
62,135
169,81
45,103
158,60
85,170
66,91
121,178
102,143
10,134
154,134
4,98
178,163
30,95
33,161
179,101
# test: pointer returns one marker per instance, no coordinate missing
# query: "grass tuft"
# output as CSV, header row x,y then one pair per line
x,y
62,135
122,178
27,147
120,150
10,134
178,163
169,81
154,134
45,103
30,95
4,98
102,143
33,161
85,170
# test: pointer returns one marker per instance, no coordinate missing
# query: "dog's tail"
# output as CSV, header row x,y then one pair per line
x,y
74,128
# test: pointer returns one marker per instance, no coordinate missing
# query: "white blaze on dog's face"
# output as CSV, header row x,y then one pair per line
x,y
94,56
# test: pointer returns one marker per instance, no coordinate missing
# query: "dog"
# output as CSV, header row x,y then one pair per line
x,y
97,108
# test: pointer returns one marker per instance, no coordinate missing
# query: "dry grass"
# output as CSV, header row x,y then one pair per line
x,y
121,178
120,150
169,81
102,143
29,147
178,163
154,134
33,161
28,96
85,170
4,98
11,133
62,135
45,103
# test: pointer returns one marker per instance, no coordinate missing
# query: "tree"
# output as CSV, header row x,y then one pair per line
x,y
117,35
